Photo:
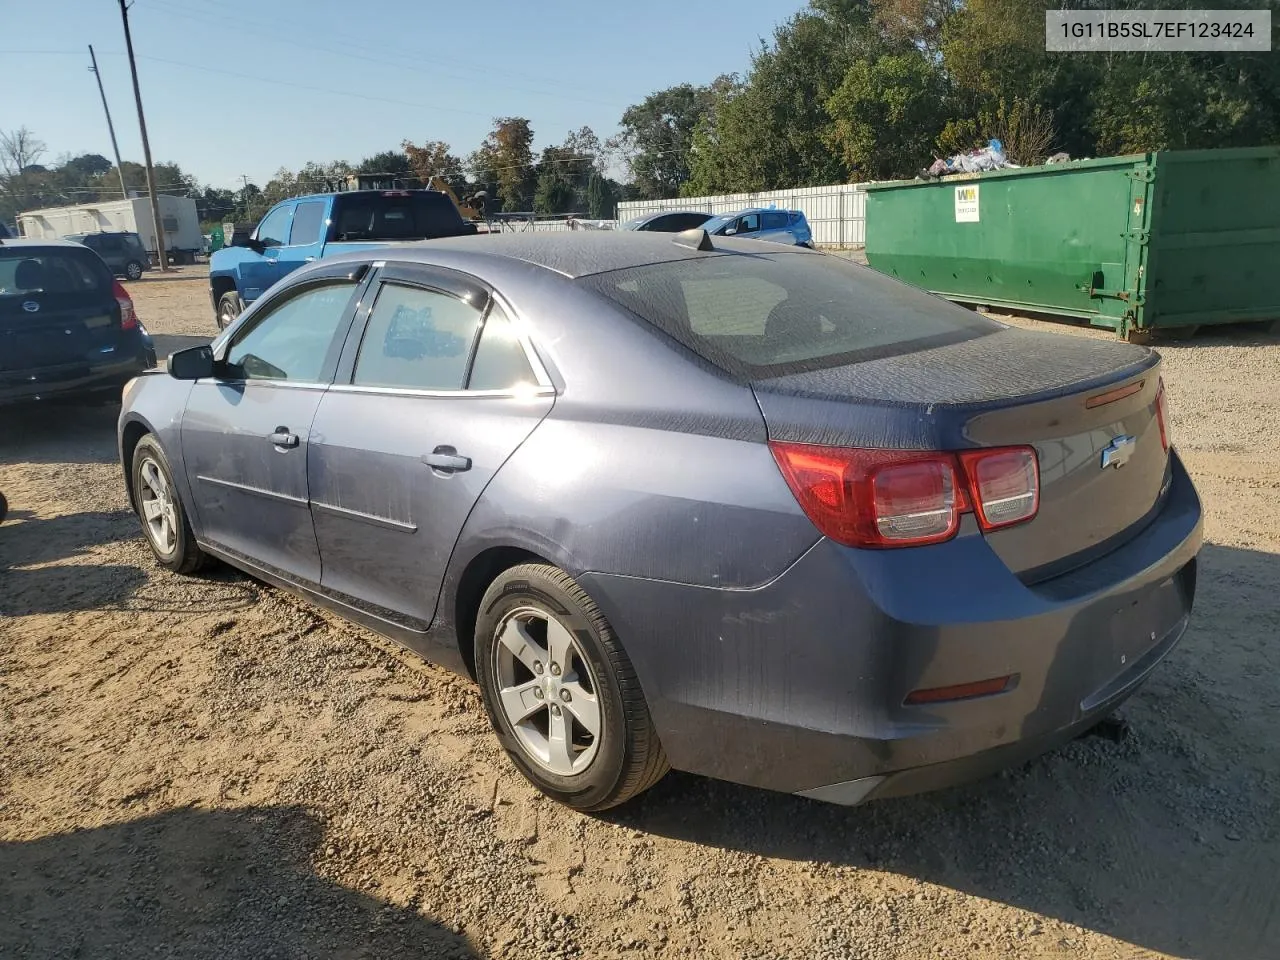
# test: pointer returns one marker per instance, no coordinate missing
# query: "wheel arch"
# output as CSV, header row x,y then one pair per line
x,y
131,432
473,580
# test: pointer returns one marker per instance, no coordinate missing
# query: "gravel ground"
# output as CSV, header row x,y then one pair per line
x,y
210,768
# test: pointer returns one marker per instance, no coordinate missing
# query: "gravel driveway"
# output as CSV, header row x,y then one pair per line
x,y
209,768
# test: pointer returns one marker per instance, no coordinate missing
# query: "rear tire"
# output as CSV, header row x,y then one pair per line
x,y
164,519
230,306
550,667
133,270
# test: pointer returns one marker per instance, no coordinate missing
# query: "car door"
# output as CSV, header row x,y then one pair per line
x,y
246,433
773,226
306,236
748,225
258,271
432,398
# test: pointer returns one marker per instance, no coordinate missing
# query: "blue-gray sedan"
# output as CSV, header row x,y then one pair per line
x,y
749,511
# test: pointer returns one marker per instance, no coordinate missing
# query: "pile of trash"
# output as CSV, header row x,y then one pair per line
x,y
990,157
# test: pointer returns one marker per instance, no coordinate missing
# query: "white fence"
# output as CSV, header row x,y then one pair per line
x,y
837,214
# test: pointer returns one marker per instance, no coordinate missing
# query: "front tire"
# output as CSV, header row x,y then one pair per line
x,y
561,692
164,519
133,270
230,306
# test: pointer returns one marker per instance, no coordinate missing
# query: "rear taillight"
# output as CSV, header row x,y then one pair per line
x,y
1004,485
1162,414
899,498
128,316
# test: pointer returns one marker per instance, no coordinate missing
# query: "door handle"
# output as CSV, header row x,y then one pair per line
x,y
307,259
284,438
446,460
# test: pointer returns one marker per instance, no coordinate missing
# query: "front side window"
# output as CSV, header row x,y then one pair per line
x,y
749,224
293,339
308,220
416,339
274,230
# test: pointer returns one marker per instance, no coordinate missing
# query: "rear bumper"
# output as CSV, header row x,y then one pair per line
x,y
799,685
72,380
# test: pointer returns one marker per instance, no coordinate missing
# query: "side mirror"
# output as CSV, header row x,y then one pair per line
x,y
730,231
193,363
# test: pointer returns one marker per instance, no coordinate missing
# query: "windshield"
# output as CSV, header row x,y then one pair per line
x,y
762,315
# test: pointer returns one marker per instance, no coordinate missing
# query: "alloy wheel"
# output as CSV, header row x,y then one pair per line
x,y
156,500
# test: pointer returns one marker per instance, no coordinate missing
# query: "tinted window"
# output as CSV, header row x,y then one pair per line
x,y
417,215
764,315
293,339
417,339
500,362
66,271
274,230
308,218
775,221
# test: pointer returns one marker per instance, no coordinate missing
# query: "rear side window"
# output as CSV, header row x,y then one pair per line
x,y
500,362
762,315
416,339
775,221
51,272
396,216
308,218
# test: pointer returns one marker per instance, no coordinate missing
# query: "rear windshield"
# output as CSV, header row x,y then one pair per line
x,y
764,315
418,216
60,271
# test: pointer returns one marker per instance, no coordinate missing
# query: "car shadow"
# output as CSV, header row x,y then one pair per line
x,y
27,540
1167,839
196,883
43,433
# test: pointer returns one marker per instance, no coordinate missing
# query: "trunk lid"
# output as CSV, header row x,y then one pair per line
x,y
1087,407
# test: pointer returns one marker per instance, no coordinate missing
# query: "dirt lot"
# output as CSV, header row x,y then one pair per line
x,y
209,768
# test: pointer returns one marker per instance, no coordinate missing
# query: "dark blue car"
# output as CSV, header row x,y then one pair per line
x,y
67,326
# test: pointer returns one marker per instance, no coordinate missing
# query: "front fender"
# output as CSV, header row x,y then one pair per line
x,y
154,403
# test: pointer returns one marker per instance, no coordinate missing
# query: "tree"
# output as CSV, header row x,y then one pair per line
x,y
602,196
886,116
392,162
435,158
19,152
505,161
657,135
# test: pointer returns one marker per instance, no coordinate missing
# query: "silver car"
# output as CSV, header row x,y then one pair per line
x,y
745,510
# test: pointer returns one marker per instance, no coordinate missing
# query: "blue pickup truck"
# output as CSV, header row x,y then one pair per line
x,y
296,231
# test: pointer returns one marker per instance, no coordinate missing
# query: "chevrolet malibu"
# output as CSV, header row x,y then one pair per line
x,y
752,512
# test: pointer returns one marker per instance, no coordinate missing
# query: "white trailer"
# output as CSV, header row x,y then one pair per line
x,y
178,217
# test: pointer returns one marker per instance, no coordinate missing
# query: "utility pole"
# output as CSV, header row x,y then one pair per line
x,y
146,146
115,148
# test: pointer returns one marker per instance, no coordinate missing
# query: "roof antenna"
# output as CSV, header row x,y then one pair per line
x,y
695,239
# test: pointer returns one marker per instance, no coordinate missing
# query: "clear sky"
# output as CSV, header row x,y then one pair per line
x,y
236,87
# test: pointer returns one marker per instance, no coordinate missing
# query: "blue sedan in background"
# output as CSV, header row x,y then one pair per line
x,y
745,510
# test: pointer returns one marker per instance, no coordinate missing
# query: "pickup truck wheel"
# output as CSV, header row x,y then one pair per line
x,y
133,270
230,306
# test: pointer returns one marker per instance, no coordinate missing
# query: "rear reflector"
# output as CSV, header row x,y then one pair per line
x,y
1005,485
1111,396
1162,414
128,316
898,498
961,691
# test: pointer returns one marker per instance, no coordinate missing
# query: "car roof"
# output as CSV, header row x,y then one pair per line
x,y
29,242
572,254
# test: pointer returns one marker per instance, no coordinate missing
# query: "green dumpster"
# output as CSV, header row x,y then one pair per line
x,y
1137,243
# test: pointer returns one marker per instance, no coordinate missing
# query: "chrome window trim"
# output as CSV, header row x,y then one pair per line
x,y
533,391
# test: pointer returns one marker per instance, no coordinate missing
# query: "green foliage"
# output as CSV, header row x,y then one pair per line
x,y
656,138
887,112
504,162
